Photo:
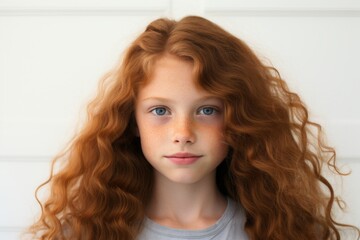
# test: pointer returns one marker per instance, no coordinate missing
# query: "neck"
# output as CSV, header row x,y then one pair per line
x,y
187,206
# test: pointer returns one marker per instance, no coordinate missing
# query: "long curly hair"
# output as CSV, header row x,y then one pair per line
x,y
273,169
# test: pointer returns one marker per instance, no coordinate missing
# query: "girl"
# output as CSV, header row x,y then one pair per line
x,y
193,137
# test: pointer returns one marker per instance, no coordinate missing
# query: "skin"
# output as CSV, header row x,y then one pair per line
x,y
174,116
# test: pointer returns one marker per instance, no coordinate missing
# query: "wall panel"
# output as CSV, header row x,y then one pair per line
x,y
227,7
18,181
87,7
52,54
51,75
317,56
9,235
315,47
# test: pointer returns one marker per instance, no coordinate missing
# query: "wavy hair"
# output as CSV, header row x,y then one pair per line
x,y
273,169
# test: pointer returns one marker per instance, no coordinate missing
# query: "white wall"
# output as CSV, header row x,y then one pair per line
x,y
52,54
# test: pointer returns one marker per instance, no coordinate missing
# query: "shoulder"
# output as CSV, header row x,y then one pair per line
x,y
234,227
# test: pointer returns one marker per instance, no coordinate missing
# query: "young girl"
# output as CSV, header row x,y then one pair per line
x,y
193,137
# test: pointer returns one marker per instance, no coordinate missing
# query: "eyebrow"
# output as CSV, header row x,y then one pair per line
x,y
161,99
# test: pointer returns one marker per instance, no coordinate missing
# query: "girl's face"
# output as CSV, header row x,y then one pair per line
x,y
179,124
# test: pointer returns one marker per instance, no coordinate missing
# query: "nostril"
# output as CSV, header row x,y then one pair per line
x,y
189,139
183,131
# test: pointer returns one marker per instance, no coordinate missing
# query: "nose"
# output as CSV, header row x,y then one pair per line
x,y
183,131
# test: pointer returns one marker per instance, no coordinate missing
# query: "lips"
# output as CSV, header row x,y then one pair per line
x,y
183,158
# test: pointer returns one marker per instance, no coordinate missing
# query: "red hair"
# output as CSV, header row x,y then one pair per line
x,y
273,169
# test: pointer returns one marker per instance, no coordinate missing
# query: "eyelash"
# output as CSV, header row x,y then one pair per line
x,y
166,111
157,108
213,109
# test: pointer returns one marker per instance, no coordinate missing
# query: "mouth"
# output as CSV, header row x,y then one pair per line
x,y
183,158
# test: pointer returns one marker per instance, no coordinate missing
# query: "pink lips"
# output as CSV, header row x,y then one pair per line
x,y
183,158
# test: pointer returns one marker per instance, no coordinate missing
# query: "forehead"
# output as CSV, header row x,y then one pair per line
x,y
168,66
170,73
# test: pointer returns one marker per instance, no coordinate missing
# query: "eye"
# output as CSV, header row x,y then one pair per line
x,y
159,111
207,111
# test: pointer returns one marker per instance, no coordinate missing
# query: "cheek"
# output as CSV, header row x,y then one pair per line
x,y
150,139
151,131
220,149
214,131
214,138
147,143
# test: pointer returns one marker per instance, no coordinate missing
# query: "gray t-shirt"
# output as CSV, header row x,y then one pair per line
x,y
229,226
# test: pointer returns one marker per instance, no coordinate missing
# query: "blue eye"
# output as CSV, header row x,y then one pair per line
x,y
207,111
159,111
